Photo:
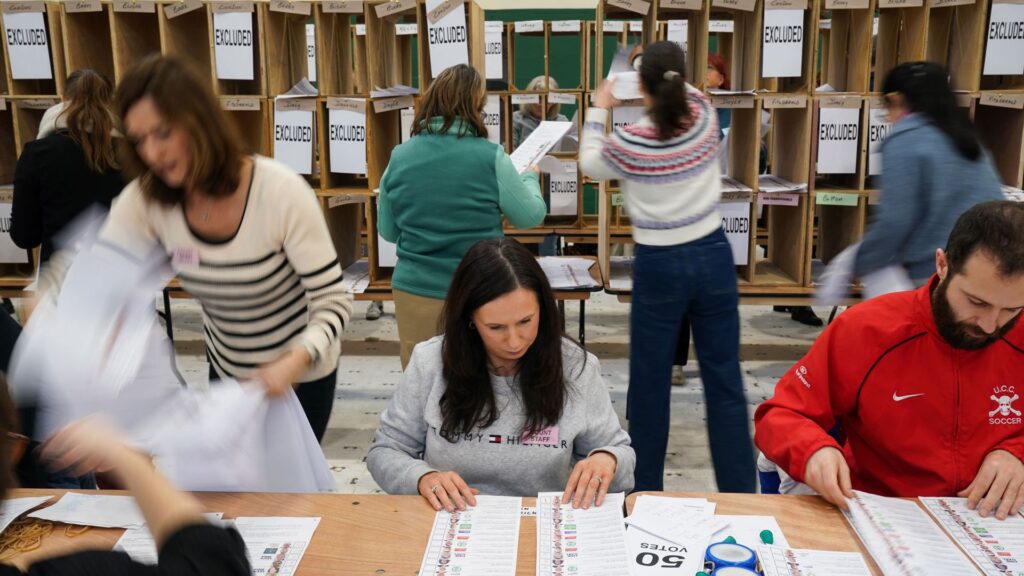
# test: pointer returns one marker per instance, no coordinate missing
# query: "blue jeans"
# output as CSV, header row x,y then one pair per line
x,y
697,281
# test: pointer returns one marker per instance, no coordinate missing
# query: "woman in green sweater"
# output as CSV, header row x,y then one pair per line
x,y
444,190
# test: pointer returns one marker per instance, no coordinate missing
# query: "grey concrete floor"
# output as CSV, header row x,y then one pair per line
x,y
369,372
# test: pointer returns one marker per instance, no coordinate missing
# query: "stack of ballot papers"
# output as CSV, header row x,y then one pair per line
x,y
568,273
770,184
1011,193
730,184
12,508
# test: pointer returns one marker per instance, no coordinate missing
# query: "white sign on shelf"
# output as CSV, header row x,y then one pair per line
x,y
346,135
406,117
406,29
494,116
838,137
614,26
529,26
311,52
1004,53
293,139
721,26
387,253
566,26
783,44
9,252
564,190
736,223
360,29
678,31
448,38
623,116
233,45
494,50
28,46
878,129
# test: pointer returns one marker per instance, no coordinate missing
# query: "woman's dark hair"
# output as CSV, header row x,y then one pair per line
x,y
491,269
186,100
995,228
925,88
10,451
457,92
663,73
89,117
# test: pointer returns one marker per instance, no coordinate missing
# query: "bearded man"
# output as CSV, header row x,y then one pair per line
x,y
926,385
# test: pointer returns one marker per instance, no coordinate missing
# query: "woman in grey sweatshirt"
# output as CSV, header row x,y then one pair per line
x,y
501,403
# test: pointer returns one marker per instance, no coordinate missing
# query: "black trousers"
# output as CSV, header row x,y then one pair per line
x,y
317,399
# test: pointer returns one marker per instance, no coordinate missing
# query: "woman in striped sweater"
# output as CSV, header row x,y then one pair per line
x,y
667,165
244,234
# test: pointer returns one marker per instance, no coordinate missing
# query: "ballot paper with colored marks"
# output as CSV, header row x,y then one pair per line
x,y
780,561
997,546
483,539
578,541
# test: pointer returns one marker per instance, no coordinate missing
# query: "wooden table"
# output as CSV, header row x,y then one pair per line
x,y
385,535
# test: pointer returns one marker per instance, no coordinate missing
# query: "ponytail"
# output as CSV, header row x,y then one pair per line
x,y
661,71
90,120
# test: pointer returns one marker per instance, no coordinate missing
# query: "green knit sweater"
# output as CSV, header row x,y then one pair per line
x,y
442,193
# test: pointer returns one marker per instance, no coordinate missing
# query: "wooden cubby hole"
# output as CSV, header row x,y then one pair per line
x,y
604,44
901,38
287,59
27,114
337,46
740,48
568,47
8,146
1002,133
393,64
805,81
255,127
696,38
181,35
474,36
845,49
258,85
956,39
524,64
135,36
88,40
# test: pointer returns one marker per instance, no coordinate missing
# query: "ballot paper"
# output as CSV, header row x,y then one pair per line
x,y
781,561
482,539
626,79
356,278
96,510
589,542
621,274
138,543
681,521
997,546
747,530
730,184
540,142
903,539
15,507
275,545
568,273
393,91
772,184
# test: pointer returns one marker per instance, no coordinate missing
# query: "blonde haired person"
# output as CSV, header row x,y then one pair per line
x,y
444,190
529,116
244,234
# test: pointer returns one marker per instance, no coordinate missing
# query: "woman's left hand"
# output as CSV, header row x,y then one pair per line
x,y
589,480
604,98
281,374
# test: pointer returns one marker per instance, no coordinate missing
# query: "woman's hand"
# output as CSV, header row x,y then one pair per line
x,y
281,374
92,444
590,479
603,97
446,490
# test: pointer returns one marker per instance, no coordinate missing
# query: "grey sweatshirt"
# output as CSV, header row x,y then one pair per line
x,y
495,460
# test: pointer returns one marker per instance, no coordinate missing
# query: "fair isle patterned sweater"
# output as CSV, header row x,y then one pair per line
x,y
671,187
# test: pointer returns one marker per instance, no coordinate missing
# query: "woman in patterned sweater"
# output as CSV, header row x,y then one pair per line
x,y
667,165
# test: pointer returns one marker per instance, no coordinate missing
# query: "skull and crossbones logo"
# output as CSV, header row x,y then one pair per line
x,y
1005,407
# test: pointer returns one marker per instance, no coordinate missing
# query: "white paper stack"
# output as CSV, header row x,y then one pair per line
x,y
568,273
96,510
771,184
621,273
11,509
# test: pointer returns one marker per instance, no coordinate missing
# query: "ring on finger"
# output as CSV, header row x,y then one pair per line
x,y
433,489
599,479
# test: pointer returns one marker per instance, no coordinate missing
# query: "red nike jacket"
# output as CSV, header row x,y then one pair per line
x,y
919,416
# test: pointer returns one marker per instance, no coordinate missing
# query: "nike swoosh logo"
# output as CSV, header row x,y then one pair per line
x,y
896,398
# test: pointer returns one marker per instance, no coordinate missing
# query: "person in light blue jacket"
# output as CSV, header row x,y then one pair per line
x,y
934,169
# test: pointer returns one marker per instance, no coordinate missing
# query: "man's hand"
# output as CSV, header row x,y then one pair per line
x,y
829,475
1000,480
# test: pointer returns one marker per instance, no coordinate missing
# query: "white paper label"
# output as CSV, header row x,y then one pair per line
x,y
311,52
406,29
233,45
529,26
360,29
406,117
494,117
494,50
75,6
346,134
721,26
838,138
28,46
636,26
145,7
387,253
561,98
566,26
293,139
178,8
448,39
9,252
623,116
526,98
563,190
1005,50
878,129
678,31
783,44
343,6
736,223
614,26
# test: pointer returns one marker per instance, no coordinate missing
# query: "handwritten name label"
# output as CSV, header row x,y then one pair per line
x,y
900,3
785,101
76,6
350,104
1015,101
391,104
836,199
228,7
638,6
745,5
182,7
241,104
840,102
343,6
22,7
288,7
847,4
394,7
733,101
135,7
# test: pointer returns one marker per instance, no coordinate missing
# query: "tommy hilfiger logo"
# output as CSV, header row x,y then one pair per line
x,y
1004,412
494,438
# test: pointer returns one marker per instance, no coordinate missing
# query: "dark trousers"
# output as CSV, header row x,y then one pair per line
x,y
697,281
316,397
